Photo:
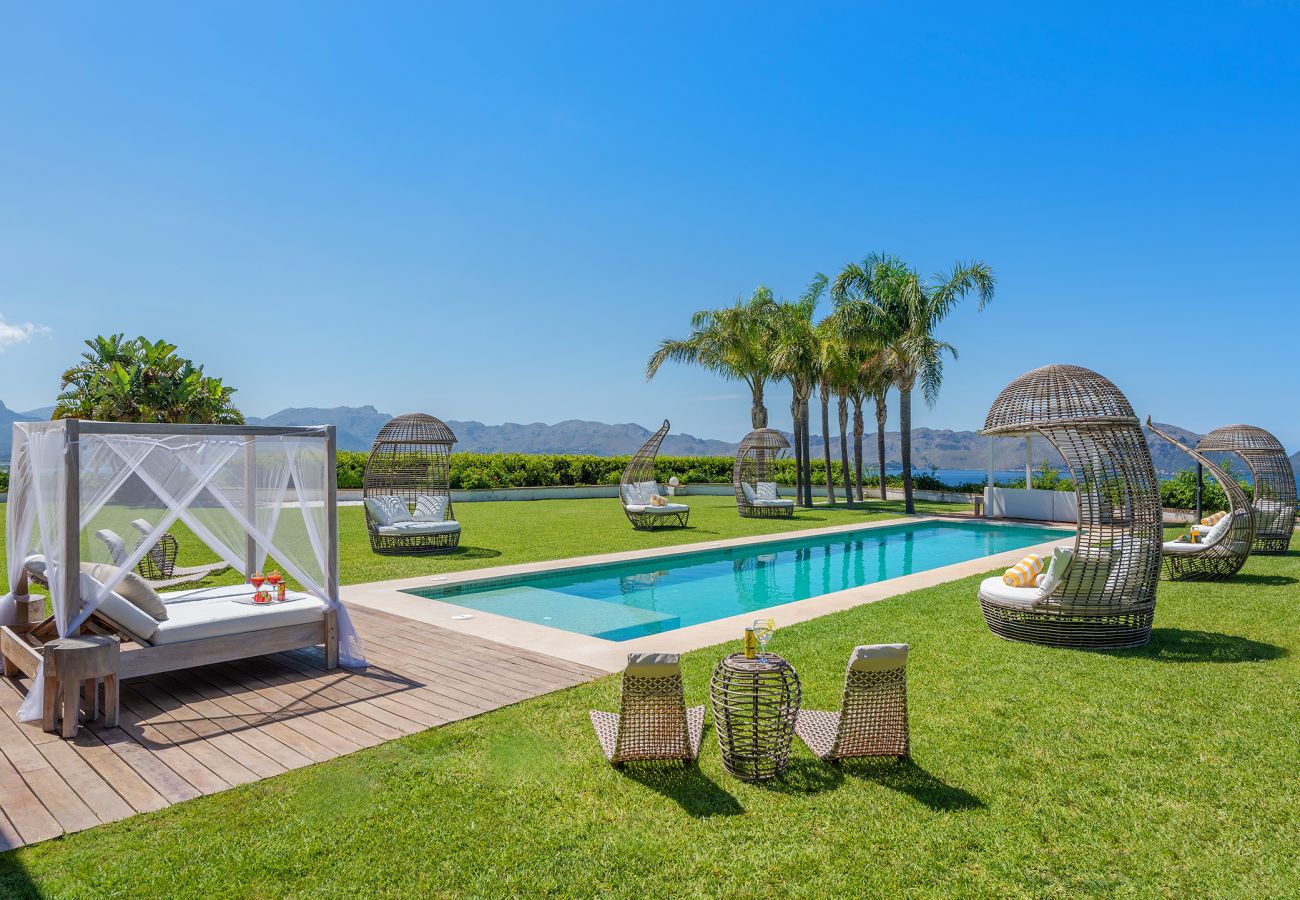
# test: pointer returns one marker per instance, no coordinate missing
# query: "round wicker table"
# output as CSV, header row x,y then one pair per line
x,y
755,702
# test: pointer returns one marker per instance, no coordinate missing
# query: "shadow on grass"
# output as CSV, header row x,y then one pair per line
x,y
689,787
463,552
14,879
907,777
1181,645
804,776
1266,580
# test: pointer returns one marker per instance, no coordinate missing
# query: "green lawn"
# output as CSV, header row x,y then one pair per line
x,y
1166,771
502,533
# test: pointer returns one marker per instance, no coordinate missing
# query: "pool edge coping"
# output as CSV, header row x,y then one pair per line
x,y
611,656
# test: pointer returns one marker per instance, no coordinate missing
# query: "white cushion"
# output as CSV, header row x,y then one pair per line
x,y
378,511
748,491
767,491
632,496
1056,569
131,588
666,508
653,665
116,546
1201,529
648,489
120,612
409,529
997,590
398,510
194,615
1182,548
878,657
1220,528
430,508
775,504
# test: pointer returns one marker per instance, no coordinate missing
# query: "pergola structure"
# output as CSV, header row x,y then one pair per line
x,y
1106,596
1274,502
252,494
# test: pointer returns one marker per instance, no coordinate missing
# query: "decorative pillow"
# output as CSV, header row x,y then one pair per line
x,y
1061,558
1023,573
430,508
378,511
748,491
398,510
132,588
767,490
648,490
1219,528
632,496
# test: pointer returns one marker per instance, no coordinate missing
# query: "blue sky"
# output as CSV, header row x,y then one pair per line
x,y
496,213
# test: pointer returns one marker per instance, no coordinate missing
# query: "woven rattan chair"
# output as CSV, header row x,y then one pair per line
x,y
754,478
1224,549
1106,597
409,467
151,567
637,489
653,721
872,720
1270,470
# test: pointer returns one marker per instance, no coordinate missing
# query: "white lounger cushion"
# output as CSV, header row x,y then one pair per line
x,y
211,612
653,665
878,657
122,612
411,529
997,590
748,491
666,508
772,503
767,491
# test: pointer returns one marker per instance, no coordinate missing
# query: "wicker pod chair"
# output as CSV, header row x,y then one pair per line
x,y
1270,470
406,487
1223,549
753,478
1106,596
652,722
872,720
638,492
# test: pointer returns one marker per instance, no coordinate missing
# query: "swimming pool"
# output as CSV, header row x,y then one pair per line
x,y
622,601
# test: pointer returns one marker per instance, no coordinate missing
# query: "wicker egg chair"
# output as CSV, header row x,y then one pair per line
x,y
637,487
411,460
754,458
1270,470
1224,550
1106,597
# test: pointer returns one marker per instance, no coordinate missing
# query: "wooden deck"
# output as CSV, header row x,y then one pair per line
x,y
199,731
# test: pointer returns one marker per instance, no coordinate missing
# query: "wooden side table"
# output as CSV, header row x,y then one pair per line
x,y
70,663
755,703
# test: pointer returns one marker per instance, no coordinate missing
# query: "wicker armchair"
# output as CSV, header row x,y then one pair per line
x,y
638,492
653,721
1106,597
753,478
1270,470
872,720
1225,548
409,467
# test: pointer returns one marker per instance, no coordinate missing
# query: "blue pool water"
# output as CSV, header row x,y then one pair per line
x,y
629,600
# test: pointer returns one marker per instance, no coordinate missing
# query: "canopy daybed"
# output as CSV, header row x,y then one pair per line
x,y
1103,594
248,492
1222,549
753,477
638,492
406,488
1270,470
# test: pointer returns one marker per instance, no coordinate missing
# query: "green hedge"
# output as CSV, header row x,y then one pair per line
x,y
505,470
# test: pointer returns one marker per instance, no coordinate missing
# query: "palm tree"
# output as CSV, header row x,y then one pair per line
x,y
877,377
888,305
840,372
796,358
826,336
734,342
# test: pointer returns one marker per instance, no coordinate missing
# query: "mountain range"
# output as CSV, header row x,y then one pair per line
x,y
931,448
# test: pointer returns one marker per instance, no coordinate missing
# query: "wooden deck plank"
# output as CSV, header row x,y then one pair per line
x,y
197,731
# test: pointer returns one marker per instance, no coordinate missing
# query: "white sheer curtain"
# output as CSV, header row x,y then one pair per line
x,y
231,490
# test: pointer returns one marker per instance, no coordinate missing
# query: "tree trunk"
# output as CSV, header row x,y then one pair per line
x,y
857,445
882,414
845,471
798,445
757,411
905,438
807,450
826,441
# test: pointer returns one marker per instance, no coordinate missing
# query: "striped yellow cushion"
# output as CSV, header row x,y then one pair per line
x,y
1023,573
